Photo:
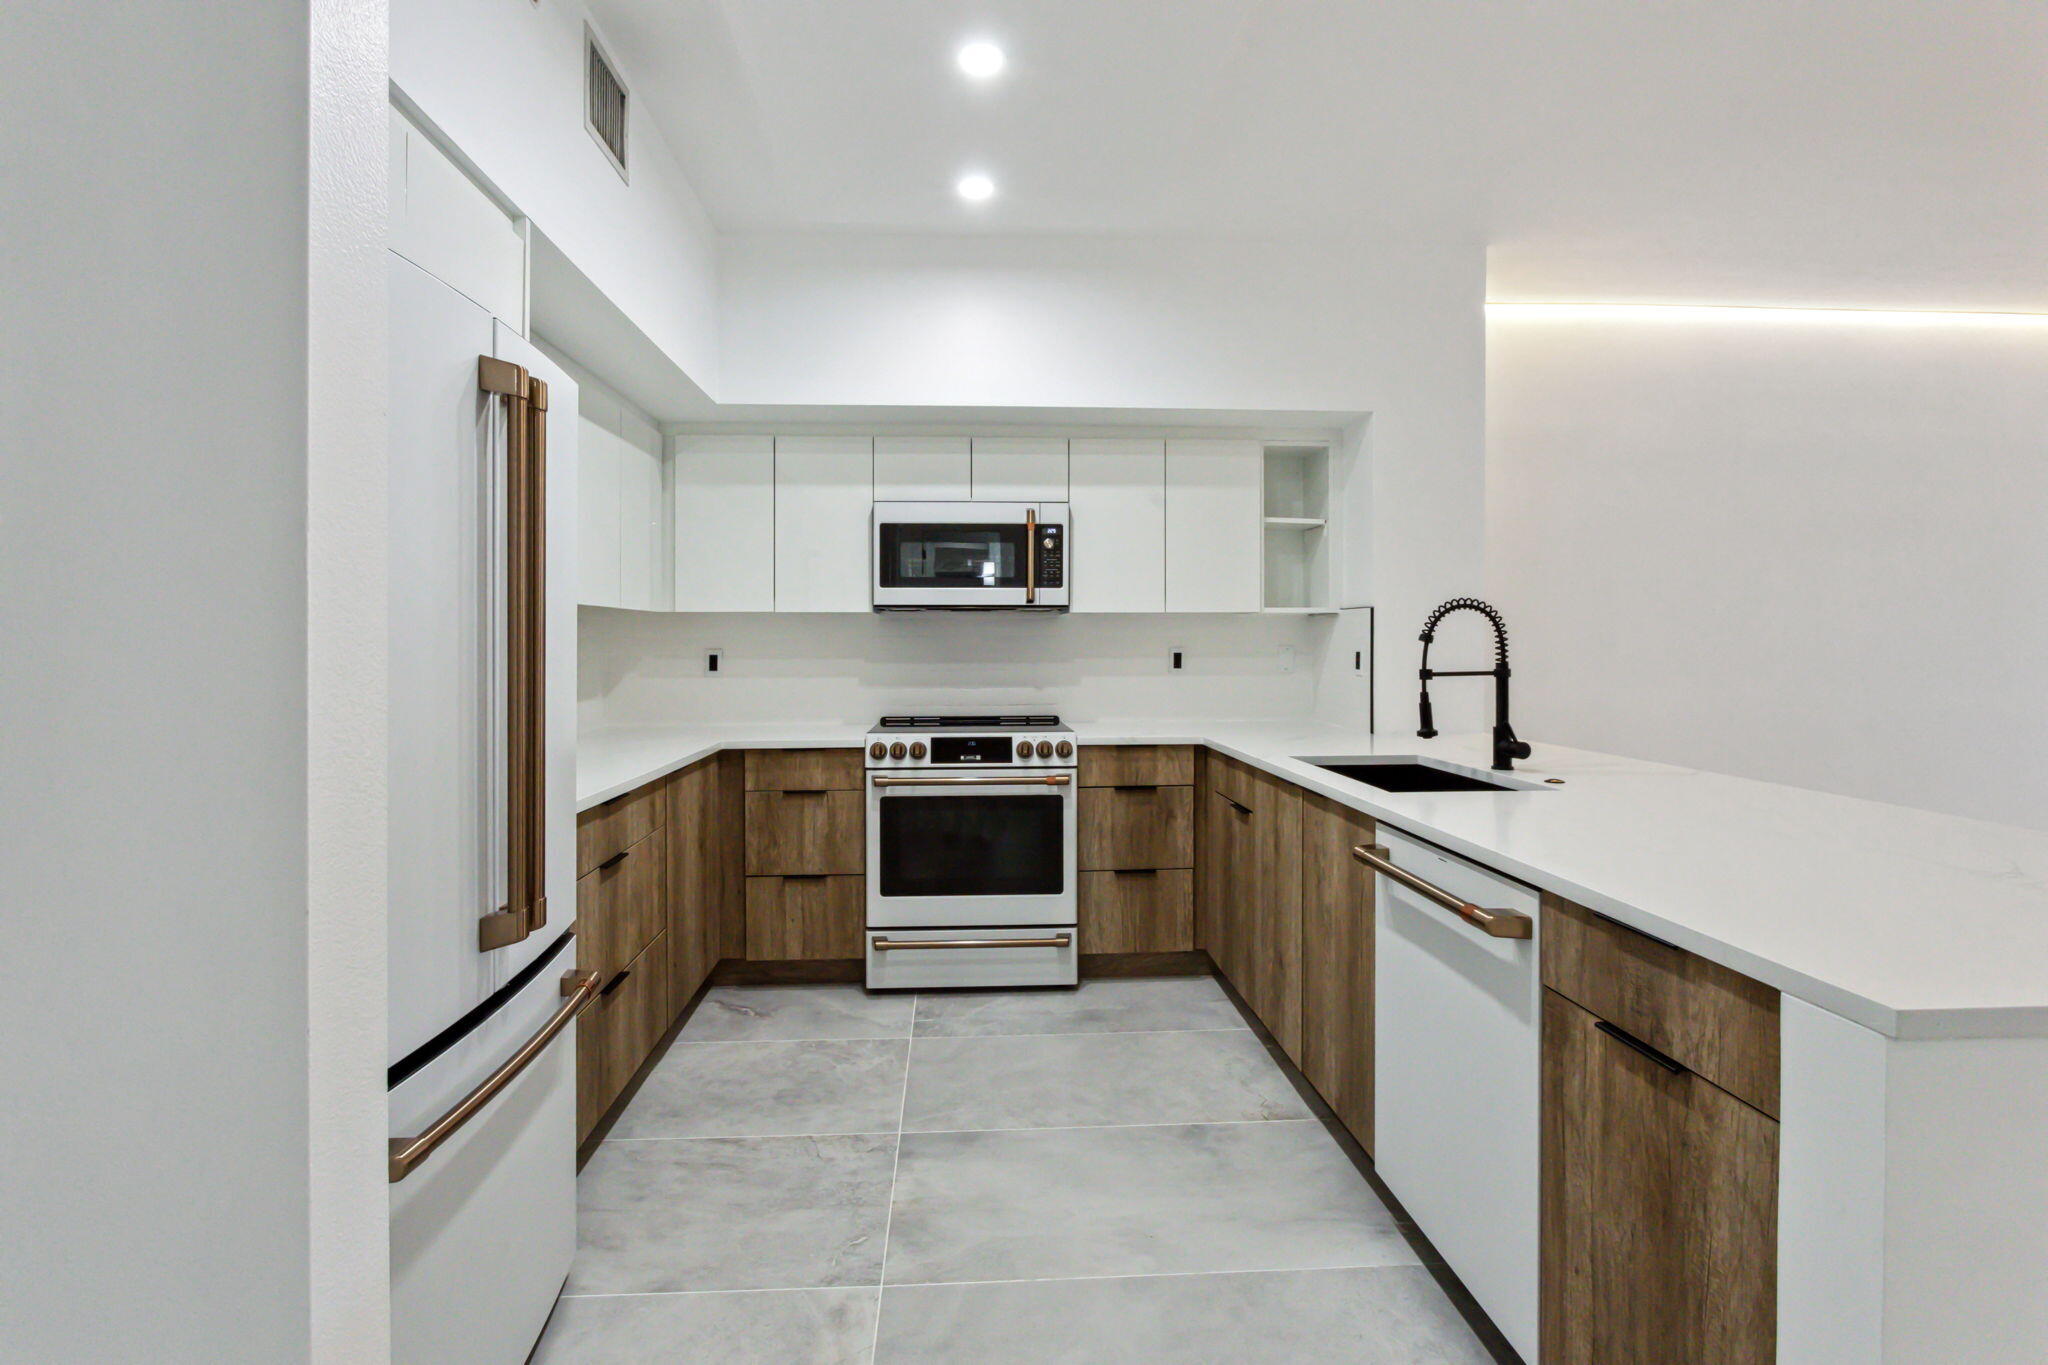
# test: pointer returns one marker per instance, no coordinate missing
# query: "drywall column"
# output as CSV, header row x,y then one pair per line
x,y
188,463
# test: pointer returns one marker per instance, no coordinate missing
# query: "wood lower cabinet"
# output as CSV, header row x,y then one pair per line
x,y
799,917
1138,911
804,833
1337,961
1250,913
616,1032
1659,1206
699,863
1135,827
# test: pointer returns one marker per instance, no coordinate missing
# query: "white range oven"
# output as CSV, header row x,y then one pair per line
x,y
971,852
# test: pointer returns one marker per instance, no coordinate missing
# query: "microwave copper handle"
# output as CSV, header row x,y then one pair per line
x,y
1030,555
1498,923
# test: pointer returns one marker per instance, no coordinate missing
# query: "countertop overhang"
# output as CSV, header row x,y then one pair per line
x,y
1915,924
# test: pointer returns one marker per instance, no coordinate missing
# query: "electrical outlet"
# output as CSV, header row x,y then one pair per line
x,y
1287,658
714,661
1358,661
1177,659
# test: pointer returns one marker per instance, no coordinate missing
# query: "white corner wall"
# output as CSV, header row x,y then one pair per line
x,y
1807,551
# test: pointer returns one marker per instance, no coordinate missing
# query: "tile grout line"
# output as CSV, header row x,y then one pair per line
x,y
895,1171
954,1037
1041,1279
945,1132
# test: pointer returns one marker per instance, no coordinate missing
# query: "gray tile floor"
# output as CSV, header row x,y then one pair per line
x,y
1115,1174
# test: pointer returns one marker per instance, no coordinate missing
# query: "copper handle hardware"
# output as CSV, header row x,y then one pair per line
x,y
579,988
1030,555
992,780
883,945
614,860
526,501
1497,923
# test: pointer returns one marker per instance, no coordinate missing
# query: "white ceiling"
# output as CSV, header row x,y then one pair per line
x,y
1872,152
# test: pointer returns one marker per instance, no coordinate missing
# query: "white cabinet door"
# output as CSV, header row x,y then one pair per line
x,y
641,584
1215,523
1020,469
922,469
1116,533
824,505
724,523
445,225
597,512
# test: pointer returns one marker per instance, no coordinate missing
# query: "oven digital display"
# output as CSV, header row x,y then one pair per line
x,y
970,749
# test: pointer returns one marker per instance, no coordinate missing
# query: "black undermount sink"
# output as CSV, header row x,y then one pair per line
x,y
1401,776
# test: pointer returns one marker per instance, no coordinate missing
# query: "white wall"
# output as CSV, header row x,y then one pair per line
x,y
642,668
505,82
180,796
1809,552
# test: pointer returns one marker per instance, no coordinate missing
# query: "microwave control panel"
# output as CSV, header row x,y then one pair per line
x,y
1052,556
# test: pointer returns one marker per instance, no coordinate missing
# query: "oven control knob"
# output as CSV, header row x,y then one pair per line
x,y
917,749
897,750
1045,748
878,750
1064,749
1023,748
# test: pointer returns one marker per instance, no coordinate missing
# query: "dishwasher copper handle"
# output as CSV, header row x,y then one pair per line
x,y
992,780
1498,923
579,988
883,945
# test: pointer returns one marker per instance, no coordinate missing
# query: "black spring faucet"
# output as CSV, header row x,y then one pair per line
x,y
1506,748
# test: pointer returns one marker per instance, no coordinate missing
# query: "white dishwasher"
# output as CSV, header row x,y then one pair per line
x,y
1457,1059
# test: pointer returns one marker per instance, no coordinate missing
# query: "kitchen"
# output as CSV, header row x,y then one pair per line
x,y
1069,682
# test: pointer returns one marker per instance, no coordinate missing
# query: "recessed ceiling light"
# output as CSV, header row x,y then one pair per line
x,y
974,187
981,59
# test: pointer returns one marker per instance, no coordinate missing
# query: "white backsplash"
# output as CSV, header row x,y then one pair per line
x,y
647,668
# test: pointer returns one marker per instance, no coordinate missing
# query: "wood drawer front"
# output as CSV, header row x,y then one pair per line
x,y
620,908
1136,827
1717,1022
619,823
1137,765
615,1034
797,918
805,833
789,770
1138,912
1237,782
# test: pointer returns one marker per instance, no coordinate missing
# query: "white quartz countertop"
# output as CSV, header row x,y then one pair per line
x,y
1914,924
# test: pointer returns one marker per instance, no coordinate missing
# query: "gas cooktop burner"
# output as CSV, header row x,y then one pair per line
x,y
968,723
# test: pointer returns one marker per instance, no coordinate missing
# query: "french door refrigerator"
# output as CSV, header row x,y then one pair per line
x,y
483,980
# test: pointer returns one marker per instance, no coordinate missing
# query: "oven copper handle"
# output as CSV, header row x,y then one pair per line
x,y
883,945
992,780
1030,555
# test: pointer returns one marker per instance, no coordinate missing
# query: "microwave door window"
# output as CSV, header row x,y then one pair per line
x,y
915,556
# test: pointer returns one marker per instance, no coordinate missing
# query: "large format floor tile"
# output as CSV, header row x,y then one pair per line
x,y
749,1089
732,1213
1132,1201
1187,1002
761,1014
1389,1315
1049,1081
768,1327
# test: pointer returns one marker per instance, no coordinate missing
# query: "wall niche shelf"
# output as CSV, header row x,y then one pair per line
x,y
1297,520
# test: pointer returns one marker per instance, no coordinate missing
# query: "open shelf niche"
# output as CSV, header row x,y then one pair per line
x,y
1297,513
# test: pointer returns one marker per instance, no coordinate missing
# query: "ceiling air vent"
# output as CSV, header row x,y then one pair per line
x,y
604,102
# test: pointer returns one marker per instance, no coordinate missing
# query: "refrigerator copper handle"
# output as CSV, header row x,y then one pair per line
x,y
579,988
1498,923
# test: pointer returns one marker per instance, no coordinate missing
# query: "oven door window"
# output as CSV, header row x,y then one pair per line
x,y
972,846
934,555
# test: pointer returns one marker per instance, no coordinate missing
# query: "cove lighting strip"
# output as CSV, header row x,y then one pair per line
x,y
1674,312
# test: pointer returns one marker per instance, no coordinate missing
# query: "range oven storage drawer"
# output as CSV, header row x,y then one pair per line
x,y
972,957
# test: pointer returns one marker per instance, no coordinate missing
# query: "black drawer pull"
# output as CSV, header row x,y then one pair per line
x,y
615,982
1135,871
609,863
1240,807
805,791
1136,787
1662,943
1629,1040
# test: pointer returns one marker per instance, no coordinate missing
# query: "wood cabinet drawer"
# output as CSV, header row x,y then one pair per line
x,y
794,918
1237,782
1714,1021
1138,912
617,1031
804,833
788,770
621,905
1137,765
619,823
1136,827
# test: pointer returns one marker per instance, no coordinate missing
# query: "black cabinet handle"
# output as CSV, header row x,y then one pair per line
x,y
1630,1041
609,863
1137,786
615,982
1240,807
1135,871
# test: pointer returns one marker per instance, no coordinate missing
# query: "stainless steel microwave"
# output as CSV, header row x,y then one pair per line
x,y
971,556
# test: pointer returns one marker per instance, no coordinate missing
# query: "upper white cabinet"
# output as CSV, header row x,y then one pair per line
x,y
446,225
598,471
824,511
643,576
1020,469
723,524
1299,571
1214,524
923,469
1116,540
621,520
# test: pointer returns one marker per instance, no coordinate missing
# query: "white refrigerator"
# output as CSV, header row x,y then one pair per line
x,y
482,824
